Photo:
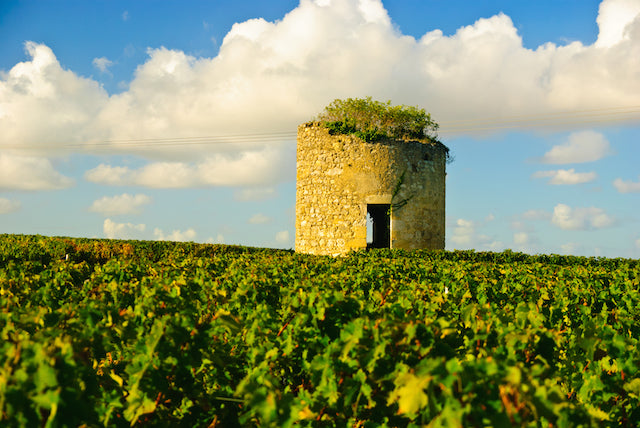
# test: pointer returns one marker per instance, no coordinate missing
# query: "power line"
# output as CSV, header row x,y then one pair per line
x,y
462,126
265,137
223,139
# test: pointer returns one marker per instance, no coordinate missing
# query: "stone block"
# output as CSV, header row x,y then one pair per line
x,y
344,174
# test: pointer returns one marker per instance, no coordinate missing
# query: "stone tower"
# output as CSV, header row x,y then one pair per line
x,y
395,188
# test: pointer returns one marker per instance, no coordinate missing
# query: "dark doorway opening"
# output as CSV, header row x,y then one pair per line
x,y
380,218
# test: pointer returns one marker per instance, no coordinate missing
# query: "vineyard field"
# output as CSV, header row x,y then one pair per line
x,y
146,333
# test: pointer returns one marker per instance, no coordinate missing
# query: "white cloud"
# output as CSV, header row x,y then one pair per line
x,y
521,238
219,239
271,76
176,235
113,230
102,64
526,242
488,243
298,64
43,106
108,175
8,206
571,248
579,249
616,20
626,186
463,233
249,168
282,237
373,11
259,219
525,238
534,215
30,173
255,194
566,176
569,218
125,15
582,146
120,204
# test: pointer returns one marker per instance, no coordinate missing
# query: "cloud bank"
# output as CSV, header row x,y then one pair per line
x,y
271,76
43,106
245,169
30,173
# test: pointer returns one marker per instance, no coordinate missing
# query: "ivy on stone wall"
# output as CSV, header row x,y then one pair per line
x,y
397,205
373,120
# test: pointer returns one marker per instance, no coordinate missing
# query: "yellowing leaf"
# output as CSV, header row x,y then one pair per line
x,y
306,413
139,404
633,387
598,413
409,393
514,375
116,378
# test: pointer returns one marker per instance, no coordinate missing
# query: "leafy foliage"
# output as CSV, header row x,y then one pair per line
x,y
124,333
373,120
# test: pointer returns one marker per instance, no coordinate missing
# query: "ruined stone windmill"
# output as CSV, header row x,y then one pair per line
x,y
369,175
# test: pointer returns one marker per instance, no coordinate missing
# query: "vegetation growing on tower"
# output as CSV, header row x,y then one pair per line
x,y
374,120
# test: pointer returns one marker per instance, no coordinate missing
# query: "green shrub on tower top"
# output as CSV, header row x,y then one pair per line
x,y
372,120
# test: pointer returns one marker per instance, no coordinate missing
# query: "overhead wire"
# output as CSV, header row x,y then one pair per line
x,y
462,126
221,139
274,136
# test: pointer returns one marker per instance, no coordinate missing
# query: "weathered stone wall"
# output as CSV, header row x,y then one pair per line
x,y
338,175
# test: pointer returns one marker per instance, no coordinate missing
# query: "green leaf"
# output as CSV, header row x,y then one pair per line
x,y
45,377
49,400
453,366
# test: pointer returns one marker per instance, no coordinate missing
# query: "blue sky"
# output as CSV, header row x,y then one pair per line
x,y
176,120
